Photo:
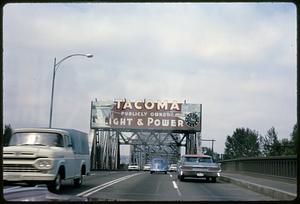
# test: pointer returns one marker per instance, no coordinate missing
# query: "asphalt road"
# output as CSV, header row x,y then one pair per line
x,y
143,186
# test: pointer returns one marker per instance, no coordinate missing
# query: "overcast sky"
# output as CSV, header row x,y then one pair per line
x,y
238,60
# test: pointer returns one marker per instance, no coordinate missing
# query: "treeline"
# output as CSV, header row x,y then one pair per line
x,y
245,142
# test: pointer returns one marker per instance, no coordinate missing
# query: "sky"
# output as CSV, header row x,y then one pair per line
x,y
236,59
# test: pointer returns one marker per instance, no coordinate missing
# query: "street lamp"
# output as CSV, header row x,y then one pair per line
x,y
55,68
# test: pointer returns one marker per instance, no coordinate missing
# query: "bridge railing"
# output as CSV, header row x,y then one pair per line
x,y
282,166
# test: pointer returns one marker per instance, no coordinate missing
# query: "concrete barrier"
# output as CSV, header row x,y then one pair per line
x,y
269,191
283,166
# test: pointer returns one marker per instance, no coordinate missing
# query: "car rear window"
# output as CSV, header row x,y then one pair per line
x,y
198,159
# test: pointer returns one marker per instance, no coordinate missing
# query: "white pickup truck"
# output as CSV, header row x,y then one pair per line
x,y
44,155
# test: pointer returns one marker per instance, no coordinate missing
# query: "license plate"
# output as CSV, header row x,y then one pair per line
x,y
200,174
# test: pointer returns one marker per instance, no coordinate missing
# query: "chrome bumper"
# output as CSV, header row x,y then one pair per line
x,y
27,176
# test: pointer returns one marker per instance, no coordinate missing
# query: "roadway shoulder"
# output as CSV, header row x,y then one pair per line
x,y
250,184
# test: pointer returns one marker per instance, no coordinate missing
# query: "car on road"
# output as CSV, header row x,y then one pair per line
x,y
173,167
133,167
199,166
47,156
159,164
146,167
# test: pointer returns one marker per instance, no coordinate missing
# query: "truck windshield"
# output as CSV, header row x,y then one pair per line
x,y
36,138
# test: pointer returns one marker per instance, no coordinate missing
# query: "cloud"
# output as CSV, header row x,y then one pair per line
x,y
238,60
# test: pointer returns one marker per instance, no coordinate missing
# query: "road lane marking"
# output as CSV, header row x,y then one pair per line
x,y
171,175
105,185
174,184
176,187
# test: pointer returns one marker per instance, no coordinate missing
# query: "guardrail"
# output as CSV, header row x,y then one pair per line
x,y
283,166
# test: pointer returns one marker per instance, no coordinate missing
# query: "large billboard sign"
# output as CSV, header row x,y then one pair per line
x,y
146,114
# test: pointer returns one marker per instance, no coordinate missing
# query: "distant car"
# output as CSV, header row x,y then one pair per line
x,y
159,164
133,167
173,167
146,167
199,166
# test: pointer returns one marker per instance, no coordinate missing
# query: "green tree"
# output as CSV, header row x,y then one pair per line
x,y
294,138
287,147
7,134
271,144
208,151
243,143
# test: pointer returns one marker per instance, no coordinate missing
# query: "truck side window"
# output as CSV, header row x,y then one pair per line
x,y
59,141
69,142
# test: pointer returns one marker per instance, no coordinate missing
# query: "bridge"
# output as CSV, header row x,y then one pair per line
x,y
149,128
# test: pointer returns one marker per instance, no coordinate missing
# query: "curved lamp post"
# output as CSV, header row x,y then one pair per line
x,y
55,68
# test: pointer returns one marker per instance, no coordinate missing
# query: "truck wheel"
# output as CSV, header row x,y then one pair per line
x,y
55,186
78,181
214,179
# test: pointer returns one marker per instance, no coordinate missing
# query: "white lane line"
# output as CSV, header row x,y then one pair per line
x,y
176,187
174,184
95,188
105,185
171,175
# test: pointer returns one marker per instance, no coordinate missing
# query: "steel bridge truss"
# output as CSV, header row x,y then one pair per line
x,y
144,145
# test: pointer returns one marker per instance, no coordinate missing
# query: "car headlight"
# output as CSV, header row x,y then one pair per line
x,y
44,164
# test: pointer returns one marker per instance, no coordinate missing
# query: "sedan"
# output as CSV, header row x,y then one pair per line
x,y
133,167
199,166
146,167
173,167
159,164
